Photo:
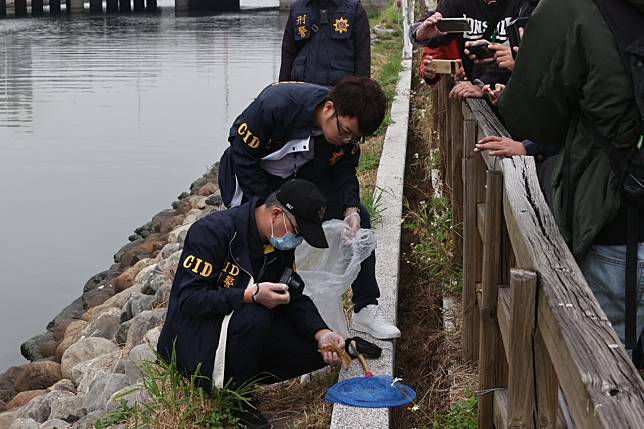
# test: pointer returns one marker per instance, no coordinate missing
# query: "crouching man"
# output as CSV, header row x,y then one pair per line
x,y
229,316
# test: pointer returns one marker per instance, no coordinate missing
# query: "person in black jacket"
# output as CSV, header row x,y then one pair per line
x,y
324,41
296,129
229,318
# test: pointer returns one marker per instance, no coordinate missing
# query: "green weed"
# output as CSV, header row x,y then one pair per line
x,y
368,162
179,402
372,199
462,415
430,223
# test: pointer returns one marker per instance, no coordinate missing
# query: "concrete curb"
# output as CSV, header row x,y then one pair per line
x,y
390,181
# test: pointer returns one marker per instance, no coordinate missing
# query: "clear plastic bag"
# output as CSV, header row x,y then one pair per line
x,y
328,273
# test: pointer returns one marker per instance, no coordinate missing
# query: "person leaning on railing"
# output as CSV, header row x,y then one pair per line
x,y
570,89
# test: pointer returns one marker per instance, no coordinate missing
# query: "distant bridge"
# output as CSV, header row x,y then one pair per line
x,y
21,8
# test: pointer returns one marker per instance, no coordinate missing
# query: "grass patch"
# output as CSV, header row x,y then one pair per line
x,y
179,402
368,162
372,199
462,415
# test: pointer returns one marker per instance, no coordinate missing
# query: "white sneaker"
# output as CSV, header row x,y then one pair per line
x,y
370,321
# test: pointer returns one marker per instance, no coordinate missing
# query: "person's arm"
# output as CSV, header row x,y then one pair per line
x,y
289,51
537,100
345,178
249,136
361,43
425,68
201,261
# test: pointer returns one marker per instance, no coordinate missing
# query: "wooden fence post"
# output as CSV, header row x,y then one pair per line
x,y
547,386
456,166
523,287
492,273
473,193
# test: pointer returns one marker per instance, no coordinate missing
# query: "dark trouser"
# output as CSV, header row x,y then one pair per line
x,y
365,287
265,346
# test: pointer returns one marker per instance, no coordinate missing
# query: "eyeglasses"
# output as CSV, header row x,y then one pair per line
x,y
347,138
291,223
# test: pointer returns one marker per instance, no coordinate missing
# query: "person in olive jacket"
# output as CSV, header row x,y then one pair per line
x,y
229,317
570,86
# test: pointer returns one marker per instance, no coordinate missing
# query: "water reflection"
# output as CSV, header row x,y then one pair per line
x,y
15,80
103,121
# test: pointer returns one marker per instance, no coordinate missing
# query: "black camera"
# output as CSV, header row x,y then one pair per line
x,y
294,282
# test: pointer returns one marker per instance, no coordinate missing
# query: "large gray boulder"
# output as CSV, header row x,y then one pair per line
x,y
136,359
65,385
69,408
132,332
22,423
84,350
84,373
106,325
137,304
132,395
55,424
102,389
39,408
89,421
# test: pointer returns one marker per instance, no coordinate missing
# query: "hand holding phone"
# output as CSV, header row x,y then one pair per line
x,y
479,52
453,25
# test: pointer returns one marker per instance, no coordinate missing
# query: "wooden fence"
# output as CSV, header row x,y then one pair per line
x,y
547,355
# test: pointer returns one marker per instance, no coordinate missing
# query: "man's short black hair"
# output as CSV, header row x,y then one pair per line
x,y
361,98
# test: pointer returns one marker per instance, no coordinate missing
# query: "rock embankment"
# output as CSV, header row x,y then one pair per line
x,y
91,352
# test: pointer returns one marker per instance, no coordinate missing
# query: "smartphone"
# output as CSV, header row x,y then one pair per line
x,y
447,66
513,32
453,25
481,52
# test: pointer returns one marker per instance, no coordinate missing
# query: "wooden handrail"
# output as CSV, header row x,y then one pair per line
x,y
536,328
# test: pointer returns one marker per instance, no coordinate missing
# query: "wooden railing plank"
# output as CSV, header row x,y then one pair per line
x,y
547,386
599,381
501,409
503,315
480,219
473,193
523,285
456,165
490,337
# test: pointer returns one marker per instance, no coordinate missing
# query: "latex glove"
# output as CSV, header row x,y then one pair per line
x,y
331,338
352,221
270,295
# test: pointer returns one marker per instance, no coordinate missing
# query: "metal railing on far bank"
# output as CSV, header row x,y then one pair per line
x,y
547,355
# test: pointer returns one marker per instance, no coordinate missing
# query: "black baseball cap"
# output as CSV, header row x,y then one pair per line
x,y
304,201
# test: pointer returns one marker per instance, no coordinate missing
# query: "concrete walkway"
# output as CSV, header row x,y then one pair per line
x,y
391,173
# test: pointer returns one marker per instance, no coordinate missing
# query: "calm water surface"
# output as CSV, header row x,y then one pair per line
x,y
103,122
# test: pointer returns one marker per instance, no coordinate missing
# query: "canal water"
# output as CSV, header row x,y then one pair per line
x,y
104,121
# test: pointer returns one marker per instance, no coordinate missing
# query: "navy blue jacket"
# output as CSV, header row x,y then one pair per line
x,y
214,270
282,112
323,50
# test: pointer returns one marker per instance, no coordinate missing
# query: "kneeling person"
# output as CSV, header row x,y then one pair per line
x,y
296,129
228,316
